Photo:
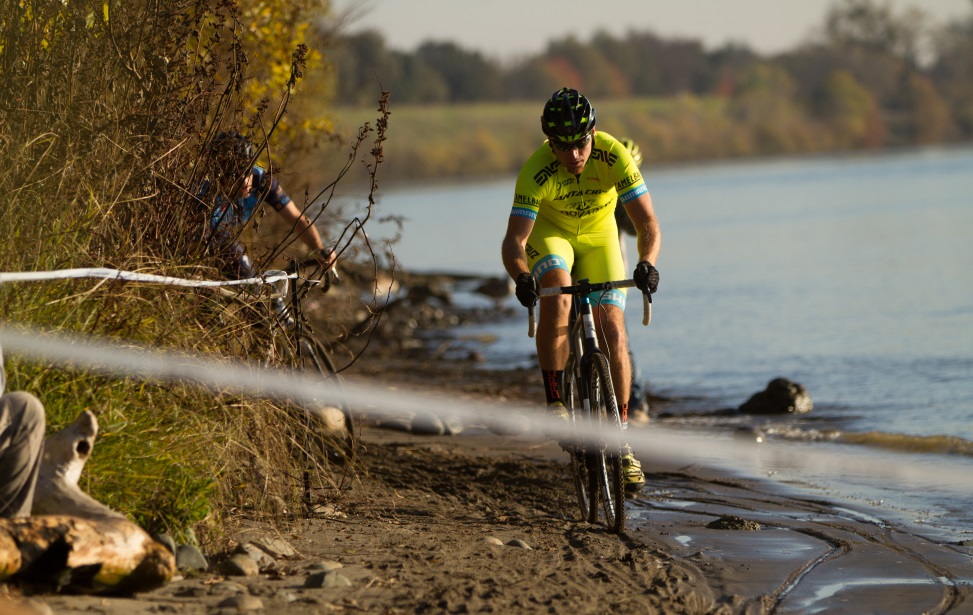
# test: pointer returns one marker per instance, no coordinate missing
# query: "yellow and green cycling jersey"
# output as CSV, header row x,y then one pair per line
x,y
574,216
582,203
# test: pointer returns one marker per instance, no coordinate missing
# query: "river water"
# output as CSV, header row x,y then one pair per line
x,y
850,275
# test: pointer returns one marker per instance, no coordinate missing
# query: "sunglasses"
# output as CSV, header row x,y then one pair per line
x,y
567,147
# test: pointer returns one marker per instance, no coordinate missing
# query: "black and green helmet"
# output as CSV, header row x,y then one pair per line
x,y
568,116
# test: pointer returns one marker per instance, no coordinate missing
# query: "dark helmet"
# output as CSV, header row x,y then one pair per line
x,y
568,116
232,153
633,149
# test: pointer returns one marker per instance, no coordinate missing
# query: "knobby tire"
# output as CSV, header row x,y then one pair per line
x,y
605,480
580,424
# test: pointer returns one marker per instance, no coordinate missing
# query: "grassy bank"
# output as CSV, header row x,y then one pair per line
x,y
105,118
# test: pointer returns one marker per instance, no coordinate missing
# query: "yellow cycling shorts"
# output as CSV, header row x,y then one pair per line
x,y
594,255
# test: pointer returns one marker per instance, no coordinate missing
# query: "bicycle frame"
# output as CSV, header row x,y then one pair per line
x,y
584,322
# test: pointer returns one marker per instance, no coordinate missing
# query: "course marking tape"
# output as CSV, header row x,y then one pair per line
x,y
131,276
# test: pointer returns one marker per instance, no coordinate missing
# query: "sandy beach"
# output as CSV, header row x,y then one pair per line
x,y
478,522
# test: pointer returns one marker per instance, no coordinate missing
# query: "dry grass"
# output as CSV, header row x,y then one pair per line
x,y
103,121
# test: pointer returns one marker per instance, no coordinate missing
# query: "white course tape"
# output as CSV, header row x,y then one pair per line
x,y
131,276
377,402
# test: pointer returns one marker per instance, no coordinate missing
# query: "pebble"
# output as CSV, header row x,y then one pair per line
x,y
326,580
242,603
509,425
166,541
520,544
240,565
263,559
325,566
286,596
276,547
454,425
426,424
493,540
188,557
396,424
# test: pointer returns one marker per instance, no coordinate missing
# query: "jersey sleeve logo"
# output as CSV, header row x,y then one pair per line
x,y
632,194
631,180
529,201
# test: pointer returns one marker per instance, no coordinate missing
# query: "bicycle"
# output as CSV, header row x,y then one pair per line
x,y
281,336
596,448
309,356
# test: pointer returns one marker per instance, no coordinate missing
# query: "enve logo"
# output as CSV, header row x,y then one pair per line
x,y
604,156
546,173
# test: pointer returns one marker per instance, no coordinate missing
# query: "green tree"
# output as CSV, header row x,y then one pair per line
x,y
417,82
597,76
850,112
764,104
868,24
953,71
468,75
363,67
532,79
928,116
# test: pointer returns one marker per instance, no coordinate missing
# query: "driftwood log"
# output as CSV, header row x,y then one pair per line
x,y
72,542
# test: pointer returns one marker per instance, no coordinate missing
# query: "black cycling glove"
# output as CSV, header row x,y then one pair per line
x,y
527,289
646,277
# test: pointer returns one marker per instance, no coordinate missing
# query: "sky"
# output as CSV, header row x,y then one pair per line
x,y
510,29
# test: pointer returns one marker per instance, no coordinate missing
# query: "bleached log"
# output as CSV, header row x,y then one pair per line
x,y
109,555
65,454
72,541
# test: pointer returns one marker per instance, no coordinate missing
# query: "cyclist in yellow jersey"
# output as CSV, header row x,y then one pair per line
x,y
563,222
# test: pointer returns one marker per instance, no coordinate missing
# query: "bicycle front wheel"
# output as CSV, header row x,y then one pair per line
x,y
606,473
577,449
316,362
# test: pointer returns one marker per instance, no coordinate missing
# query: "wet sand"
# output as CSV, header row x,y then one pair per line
x,y
427,527
442,524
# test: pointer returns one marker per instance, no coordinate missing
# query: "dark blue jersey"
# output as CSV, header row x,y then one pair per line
x,y
229,215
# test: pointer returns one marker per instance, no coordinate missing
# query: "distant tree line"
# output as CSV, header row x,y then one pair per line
x,y
873,77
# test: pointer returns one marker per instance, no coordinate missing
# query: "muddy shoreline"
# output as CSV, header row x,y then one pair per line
x,y
480,522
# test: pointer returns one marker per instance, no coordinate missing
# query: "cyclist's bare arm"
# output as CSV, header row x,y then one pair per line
x,y
305,229
513,249
647,225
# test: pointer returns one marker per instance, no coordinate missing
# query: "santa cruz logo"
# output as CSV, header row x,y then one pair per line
x,y
575,194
